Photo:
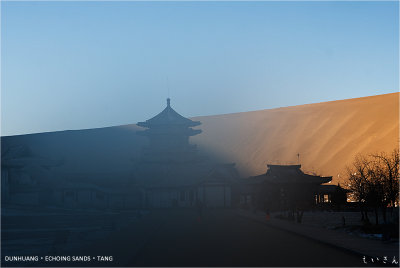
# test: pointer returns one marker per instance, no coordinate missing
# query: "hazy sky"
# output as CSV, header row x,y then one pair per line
x,y
73,65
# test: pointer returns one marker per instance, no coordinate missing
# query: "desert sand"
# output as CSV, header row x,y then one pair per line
x,y
326,135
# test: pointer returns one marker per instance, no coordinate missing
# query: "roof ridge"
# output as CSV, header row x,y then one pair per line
x,y
169,116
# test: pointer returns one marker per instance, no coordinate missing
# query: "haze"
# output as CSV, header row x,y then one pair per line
x,y
76,65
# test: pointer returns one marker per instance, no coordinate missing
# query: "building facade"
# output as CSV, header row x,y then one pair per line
x,y
172,173
287,187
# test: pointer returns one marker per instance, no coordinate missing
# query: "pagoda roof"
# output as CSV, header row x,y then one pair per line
x,y
168,117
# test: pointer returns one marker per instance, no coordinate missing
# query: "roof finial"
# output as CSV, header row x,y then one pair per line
x,y
168,86
168,102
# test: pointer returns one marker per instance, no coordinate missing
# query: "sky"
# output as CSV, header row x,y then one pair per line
x,y
79,65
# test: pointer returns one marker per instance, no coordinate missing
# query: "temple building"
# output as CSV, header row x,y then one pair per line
x,y
331,196
286,187
168,134
171,171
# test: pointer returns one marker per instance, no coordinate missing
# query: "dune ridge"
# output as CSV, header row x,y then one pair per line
x,y
327,135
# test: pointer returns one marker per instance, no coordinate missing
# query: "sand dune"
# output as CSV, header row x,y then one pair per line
x,y
326,135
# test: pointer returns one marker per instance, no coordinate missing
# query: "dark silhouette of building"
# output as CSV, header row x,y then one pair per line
x,y
172,173
283,187
331,197
168,134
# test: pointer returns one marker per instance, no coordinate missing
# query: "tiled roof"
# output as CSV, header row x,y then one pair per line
x,y
287,174
168,117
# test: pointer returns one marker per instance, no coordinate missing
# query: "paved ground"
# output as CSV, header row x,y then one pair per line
x,y
370,248
224,239
219,238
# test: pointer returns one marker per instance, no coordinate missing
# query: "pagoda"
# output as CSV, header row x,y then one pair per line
x,y
168,133
172,173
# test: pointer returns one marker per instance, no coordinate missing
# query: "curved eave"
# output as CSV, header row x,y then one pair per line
x,y
168,117
283,167
326,179
150,132
148,124
314,179
142,124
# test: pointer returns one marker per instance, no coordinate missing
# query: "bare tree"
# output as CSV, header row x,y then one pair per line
x,y
389,168
376,197
374,181
390,175
358,183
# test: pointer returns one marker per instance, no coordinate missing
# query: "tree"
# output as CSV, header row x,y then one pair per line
x,y
374,181
358,183
390,174
389,169
375,197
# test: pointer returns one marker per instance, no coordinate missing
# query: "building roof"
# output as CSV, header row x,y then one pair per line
x,y
21,156
222,173
330,189
168,117
288,174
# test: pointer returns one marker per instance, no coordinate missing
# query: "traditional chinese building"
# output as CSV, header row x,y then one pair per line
x,y
171,171
168,134
283,187
331,196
